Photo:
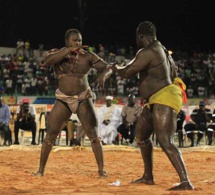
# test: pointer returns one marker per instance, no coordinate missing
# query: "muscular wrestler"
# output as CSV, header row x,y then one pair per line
x,y
163,91
71,66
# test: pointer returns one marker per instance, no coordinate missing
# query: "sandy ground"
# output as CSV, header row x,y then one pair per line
x,y
73,171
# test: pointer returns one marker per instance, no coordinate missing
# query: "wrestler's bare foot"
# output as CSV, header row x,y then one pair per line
x,y
102,173
144,180
38,174
186,185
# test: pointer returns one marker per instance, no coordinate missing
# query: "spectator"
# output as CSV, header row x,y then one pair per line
x,y
1,90
108,120
4,121
80,133
201,91
199,118
9,86
101,52
33,85
130,113
41,49
69,126
20,47
190,92
211,130
27,47
180,121
26,114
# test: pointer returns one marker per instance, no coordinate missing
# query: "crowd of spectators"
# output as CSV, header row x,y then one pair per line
x,y
27,76
198,73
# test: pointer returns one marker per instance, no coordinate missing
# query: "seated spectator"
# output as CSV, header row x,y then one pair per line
x,y
1,90
130,113
4,122
199,117
211,130
80,132
26,114
70,126
179,129
109,118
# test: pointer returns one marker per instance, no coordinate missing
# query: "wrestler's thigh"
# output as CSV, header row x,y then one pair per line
x,y
164,122
58,116
144,127
87,116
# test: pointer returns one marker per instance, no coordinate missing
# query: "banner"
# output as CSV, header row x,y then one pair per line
x,y
9,100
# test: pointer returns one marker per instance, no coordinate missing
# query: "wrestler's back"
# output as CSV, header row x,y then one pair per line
x,y
157,74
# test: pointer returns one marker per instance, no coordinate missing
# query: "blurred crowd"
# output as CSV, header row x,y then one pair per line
x,y
23,73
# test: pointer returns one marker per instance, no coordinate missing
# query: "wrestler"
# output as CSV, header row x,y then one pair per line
x,y
164,92
71,65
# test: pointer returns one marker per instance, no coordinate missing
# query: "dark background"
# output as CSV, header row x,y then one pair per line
x,y
186,25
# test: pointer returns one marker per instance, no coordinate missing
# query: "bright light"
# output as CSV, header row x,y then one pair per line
x,y
170,52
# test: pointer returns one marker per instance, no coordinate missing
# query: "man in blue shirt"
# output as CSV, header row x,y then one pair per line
x,y
1,90
4,121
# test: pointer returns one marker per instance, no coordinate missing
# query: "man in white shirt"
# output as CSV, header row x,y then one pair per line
x,y
109,118
20,47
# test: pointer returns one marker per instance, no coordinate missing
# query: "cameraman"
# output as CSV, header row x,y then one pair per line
x,y
26,114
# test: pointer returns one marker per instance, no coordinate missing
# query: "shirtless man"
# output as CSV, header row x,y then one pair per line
x,y
163,91
71,66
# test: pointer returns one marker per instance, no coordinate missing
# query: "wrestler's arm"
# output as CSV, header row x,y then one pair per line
x,y
101,66
54,56
174,68
137,64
